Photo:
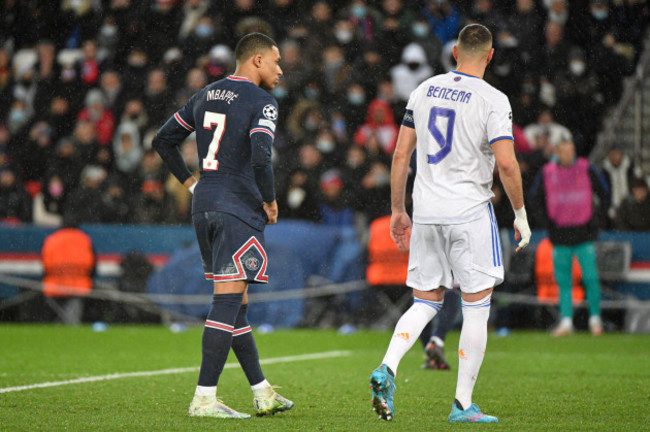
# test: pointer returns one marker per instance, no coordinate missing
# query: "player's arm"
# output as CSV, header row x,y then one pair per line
x,y
262,136
400,222
510,175
167,141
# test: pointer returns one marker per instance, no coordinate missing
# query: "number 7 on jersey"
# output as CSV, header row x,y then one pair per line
x,y
216,121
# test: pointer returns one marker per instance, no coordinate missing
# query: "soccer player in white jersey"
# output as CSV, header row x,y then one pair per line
x,y
460,126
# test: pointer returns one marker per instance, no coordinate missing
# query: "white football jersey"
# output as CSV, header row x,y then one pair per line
x,y
456,118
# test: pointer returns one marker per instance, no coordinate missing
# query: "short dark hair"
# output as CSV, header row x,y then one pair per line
x,y
474,37
251,44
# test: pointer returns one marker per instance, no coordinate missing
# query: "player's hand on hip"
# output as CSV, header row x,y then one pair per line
x,y
400,224
522,230
271,210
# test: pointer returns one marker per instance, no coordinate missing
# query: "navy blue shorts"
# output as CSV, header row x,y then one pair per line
x,y
231,250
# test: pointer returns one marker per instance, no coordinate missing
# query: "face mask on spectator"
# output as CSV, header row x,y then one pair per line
x,y
108,31
577,67
310,125
420,29
311,93
325,145
559,18
356,98
344,36
359,11
55,189
280,92
17,116
203,30
600,14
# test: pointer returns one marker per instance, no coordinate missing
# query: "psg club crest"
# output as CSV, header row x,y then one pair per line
x,y
457,79
270,112
252,263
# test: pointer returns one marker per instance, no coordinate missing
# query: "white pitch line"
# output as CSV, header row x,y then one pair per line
x,y
273,360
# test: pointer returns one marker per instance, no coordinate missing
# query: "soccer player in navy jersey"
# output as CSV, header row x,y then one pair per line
x,y
234,120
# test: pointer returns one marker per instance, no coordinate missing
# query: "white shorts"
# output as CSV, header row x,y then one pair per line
x,y
468,253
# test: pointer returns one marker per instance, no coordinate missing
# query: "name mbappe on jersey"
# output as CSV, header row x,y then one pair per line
x,y
225,114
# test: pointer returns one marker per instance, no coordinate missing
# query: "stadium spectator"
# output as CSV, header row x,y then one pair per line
x,y
18,117
365,19
525,24
113,91
67,165
283,14
117,204
195,80
336,73
484,12
155,205
15,202
619,171
380,125
218,63
396,28
135,71
99,116
162,21
334,207
412,70
36,152
47,71
370,65
85,203
555,54
204,36
157,97
48,203
443,18
578,90
89,67
557,10
563,199
134,112
298,198
60,117
634,212
6,82
127,149
353,107
193,11
545,134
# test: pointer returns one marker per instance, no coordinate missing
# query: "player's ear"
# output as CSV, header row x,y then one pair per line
x,y
257,60
454,51
490,55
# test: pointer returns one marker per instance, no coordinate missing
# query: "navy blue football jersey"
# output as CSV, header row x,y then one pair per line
x,y
225,115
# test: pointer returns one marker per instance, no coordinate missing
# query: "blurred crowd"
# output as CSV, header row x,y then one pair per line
x,y
85,84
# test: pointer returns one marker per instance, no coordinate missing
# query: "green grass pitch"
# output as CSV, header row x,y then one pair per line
x,y
529,380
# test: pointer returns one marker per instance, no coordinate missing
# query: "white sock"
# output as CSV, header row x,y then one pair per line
x,y
205,391
257,388
437,341
408,330
471,347
566,323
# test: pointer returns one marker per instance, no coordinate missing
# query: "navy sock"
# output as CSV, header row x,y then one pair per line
x,y
217,337
243,344
448,313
